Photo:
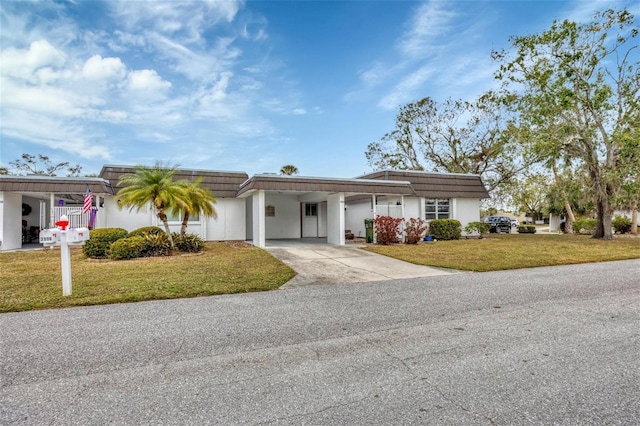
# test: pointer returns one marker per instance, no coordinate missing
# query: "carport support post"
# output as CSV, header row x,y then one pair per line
x,y
259,234
335,219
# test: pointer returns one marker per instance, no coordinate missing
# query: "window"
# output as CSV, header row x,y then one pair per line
x,y
436,209
311,210
173,216
270,211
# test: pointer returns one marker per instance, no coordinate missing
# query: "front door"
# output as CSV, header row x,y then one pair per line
x,y
310,220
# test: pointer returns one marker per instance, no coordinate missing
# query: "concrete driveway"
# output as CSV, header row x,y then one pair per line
x,y
317,262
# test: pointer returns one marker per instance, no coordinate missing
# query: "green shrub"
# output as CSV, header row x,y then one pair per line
x,y
621,224
189,243
146,230
97,246
127,248
156,244
584,226
526,229
387,229
479,228
445,229
415,228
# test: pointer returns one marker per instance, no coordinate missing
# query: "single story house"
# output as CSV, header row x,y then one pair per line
x,y
257,208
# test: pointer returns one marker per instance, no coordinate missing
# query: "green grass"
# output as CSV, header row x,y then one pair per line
x,y
513,251
32,279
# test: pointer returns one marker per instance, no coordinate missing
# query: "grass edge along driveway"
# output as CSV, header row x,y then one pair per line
x,y
513,251
32,279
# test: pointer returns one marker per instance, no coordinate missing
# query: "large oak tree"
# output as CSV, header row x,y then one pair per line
x,y
575,88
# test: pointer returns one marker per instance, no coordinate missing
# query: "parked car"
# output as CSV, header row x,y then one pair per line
x,y
515,223
499,224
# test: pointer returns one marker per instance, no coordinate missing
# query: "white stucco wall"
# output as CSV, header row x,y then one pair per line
x,y
466,210
286,222
231,222
412,208
355,215
123,218
10,221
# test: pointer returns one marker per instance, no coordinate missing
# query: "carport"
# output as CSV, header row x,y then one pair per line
x,y
36,202
288,207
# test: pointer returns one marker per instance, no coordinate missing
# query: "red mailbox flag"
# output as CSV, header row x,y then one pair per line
x,y
88,199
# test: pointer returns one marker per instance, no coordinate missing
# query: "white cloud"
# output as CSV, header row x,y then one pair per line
x,y
299,111
22,63
98,68
147,81
430,21
52,133
405,91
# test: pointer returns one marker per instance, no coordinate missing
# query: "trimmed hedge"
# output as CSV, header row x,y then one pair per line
x,y
97,246
445,229
526,229
127,248
146,230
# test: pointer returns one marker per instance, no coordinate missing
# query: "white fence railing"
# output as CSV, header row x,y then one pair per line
x,y
77,219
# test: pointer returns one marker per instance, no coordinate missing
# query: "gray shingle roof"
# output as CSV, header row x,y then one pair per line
x,y
222,184
310,184
436,185
53,184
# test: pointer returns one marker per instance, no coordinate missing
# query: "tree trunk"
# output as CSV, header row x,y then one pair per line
x,y
163,217
634,219
603,215
185,219
568,223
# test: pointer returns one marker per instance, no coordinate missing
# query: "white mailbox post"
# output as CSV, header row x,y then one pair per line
x,y
62,237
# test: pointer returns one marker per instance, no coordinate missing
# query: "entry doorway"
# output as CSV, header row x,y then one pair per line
x,y
309,220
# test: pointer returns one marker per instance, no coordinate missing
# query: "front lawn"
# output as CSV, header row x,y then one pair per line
x,y
32,279
513,251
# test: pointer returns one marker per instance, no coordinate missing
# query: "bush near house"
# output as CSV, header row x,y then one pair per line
x,y
480,228
127,248
621,224
585,226
526,229
387,229
146,230
189,243
97,246
156,244
415,229
445,229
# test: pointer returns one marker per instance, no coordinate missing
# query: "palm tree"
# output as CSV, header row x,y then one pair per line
x,y
153,185
199,200
289,170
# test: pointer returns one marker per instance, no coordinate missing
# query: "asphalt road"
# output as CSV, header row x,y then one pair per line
x,y
556,345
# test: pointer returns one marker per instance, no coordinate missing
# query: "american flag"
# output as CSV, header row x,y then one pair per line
x,y
88,199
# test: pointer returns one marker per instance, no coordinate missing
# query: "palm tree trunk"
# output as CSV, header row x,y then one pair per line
x,y
163,217
568,223
185,219
634,219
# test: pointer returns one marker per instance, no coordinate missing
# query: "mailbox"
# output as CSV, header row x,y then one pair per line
x,y
77,235
50,237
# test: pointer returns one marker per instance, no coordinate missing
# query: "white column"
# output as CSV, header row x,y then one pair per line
x,y
52,204
259,234
335,219
402,227
375,212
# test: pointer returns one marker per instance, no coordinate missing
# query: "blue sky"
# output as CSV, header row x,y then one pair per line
x,y
242,86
